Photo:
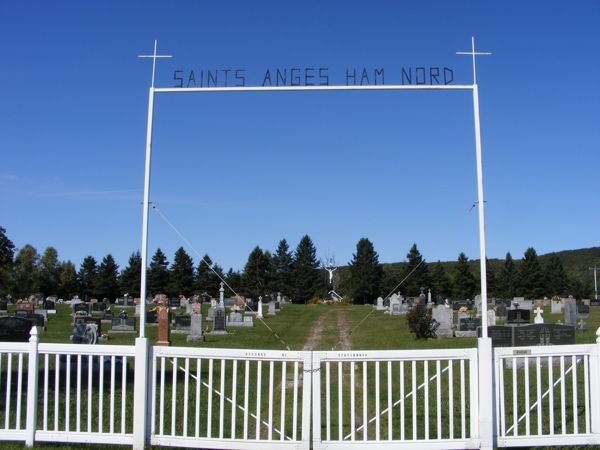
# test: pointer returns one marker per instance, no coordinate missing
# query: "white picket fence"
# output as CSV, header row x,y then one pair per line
x,y
242,399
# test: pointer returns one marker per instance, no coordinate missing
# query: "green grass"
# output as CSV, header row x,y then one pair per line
x,y
294,326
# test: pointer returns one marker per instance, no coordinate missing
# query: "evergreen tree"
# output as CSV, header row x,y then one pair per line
x,y
492,280
392,275
417,279
107,280
130,279
440,283
234,279
256,272
305,276
464,281
203,281
531,275
68,286
158,274
365,273
7,253
215,276
182,273
88,272
509,278
282,268
49,272
26,278
557,281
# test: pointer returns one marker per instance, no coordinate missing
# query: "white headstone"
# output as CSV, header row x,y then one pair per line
x,y
538,315
259,313
491,318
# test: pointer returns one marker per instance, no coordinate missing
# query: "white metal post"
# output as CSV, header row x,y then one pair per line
x,y
144,249
140,394
480,201
32,388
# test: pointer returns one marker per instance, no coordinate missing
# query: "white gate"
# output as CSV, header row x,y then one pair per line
x,y
219,398
545,394
388,399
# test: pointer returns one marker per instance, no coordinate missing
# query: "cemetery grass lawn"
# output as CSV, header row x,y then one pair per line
x,y
294,325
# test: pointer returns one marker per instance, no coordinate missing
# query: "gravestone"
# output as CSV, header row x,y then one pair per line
x,y
174,302
595,302
39,320
491,318
583,311
50,305
259,309
99,306
164,337
250,306
272,310
538,315
25,306
557,307
395,309
518,316
501,311
462,315
123,324
543,334
84,333
235,320
195,329
81,307
526,304
502,336
182,324
219,324
278,306
570,312
210,316
379,305
151,318
107,315
470,324
15,329
443,316
248,321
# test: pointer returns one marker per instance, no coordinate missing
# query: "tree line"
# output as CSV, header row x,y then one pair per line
x,y
295,273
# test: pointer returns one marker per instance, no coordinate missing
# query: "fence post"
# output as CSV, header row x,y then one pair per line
x,y
486,392
594,400
32,388
140,394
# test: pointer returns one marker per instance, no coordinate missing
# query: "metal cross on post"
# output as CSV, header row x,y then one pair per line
x,y
473,53
154,56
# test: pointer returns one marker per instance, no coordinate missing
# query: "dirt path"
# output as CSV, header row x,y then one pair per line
x,y
315,334
340,324
344,330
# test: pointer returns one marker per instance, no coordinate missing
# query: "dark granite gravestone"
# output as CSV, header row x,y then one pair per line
x,y
49,304
100,306
501,311
518,316
421,309
15,329
219,321
251,305
386,301
501,336
583,311
151,317
182,323
543,334
123,323
174,302
277,306
595,303
38,320
469,324
84,307
107,314
23,313
3,305
84,333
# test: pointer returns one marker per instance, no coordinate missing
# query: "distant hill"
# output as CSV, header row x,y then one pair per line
x,y
575,262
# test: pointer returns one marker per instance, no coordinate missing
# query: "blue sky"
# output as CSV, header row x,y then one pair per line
x,y
233,171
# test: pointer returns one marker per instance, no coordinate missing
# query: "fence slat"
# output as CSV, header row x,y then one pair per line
x,y
283,405
438,403
402,404
89,389
515,410
258,395
389,399
563,406
233,396
527,403
538,374
365,411
100,395
328,400
551,395
450,401
340,403
246,388
186,391
175,370
295,405
68,395
7,414
352,402
124,394
574,393
112,395
377,405
270,420
198,388
414,400
78,401
463,420
209,399
426,397
46,374
222,401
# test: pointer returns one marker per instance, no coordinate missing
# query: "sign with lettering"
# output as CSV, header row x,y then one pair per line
x,y
312,76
